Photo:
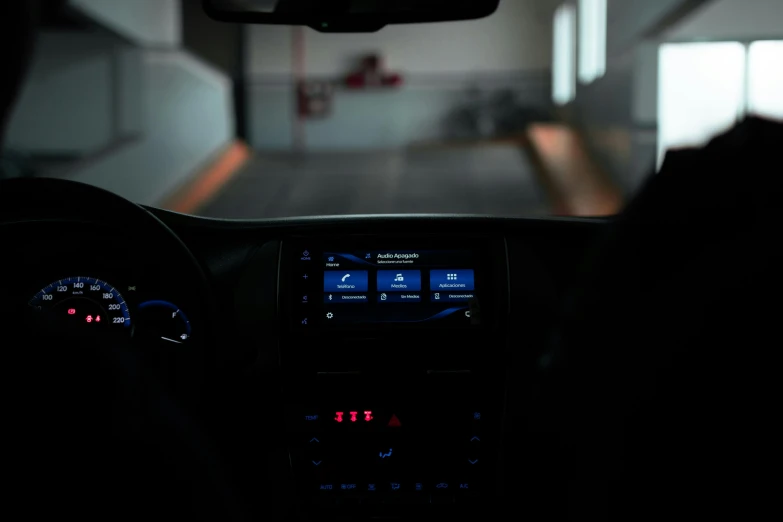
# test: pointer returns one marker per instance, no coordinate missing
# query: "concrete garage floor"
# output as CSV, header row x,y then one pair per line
x,y
489,179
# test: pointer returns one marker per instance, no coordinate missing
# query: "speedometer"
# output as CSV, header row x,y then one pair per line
x,y
83,301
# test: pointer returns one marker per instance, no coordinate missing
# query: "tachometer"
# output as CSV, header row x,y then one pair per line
x,y
83,301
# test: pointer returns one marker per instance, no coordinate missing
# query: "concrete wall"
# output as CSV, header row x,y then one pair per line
x,y
512,39
440,62
188,118
81,95
130,115
150,23
645,84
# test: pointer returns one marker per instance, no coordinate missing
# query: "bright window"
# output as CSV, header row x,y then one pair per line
x,y
564,55
592,39
765,79
701,92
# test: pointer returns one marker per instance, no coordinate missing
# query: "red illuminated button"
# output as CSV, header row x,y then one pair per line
x,y
394,422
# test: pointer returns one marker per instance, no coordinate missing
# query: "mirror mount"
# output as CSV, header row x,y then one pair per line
x,y
337,17
346,26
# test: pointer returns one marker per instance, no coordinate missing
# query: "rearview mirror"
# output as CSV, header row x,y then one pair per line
x,y
339,16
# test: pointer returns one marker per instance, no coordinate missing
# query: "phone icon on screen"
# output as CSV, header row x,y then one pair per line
x,y
346,276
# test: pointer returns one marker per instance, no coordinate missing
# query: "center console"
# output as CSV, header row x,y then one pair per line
x,y
393,353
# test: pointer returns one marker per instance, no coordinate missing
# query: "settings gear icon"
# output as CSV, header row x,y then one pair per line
x,y
330,315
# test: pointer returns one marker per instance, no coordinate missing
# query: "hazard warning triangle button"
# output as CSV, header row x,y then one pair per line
x,y
394,422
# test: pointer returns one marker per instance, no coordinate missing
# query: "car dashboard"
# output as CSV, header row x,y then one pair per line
x,y
355,366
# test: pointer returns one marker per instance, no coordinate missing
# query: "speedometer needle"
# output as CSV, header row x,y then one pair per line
x,y
170,340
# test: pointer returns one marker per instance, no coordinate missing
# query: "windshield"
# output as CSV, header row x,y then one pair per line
x,y
545,108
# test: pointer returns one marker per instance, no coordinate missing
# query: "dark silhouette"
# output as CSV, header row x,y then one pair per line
x,y
663,383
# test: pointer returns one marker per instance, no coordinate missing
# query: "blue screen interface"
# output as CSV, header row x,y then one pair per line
x,y
424,287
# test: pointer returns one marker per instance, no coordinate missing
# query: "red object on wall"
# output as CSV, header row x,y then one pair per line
x,y
371,73
392,80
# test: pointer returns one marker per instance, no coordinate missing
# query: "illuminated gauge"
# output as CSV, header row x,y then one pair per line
x,y
162,320
84,302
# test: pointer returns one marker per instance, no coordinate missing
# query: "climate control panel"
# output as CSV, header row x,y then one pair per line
x,y
434,445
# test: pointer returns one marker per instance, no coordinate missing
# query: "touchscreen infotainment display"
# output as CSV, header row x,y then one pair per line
x,y
408,286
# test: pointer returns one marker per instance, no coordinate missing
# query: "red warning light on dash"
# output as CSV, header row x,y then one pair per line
x,y
353,415
368,416
72,311
339,416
